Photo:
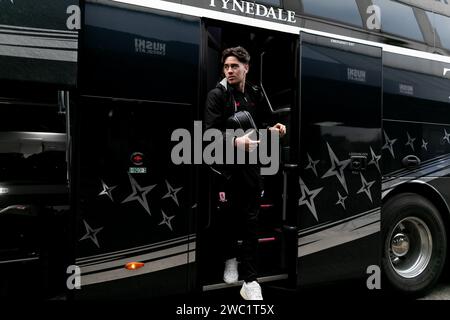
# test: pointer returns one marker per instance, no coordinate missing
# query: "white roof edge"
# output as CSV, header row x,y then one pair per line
x,y
212,14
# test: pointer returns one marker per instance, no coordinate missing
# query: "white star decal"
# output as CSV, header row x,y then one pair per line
x,y
375,159
166,220
139,194
312,164
424,144
107,190
91,234
410,141
446,136
337,168
366,187
172,192
308,198
341,200
389,144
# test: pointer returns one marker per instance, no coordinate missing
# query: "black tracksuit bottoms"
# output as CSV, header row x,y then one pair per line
x,y
240,223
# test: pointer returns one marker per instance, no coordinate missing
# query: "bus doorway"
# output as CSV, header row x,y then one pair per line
x,y
276,75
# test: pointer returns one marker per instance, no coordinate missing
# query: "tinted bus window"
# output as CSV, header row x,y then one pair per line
x,y
399,19
442,27
415,90
275,3
146,56
32,138
344,10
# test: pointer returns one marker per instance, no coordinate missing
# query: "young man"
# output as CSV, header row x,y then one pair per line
x,y
244,185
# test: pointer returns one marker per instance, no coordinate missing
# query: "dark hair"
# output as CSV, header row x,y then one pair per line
x,y
239,52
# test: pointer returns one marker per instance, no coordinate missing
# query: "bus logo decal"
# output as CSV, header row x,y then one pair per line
x,y
356,75
149,47
259,10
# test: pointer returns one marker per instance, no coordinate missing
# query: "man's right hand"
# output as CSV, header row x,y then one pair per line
x,y
246,143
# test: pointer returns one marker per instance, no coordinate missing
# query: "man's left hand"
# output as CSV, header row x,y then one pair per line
x,y
281,128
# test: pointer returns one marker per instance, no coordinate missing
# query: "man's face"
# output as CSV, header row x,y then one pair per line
x,y
235,71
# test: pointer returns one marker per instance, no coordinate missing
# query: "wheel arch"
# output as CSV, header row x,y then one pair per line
x,y
424,189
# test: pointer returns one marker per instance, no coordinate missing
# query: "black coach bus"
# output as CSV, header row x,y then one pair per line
x,y
92,205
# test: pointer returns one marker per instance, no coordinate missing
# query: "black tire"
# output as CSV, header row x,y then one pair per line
x,y
414,244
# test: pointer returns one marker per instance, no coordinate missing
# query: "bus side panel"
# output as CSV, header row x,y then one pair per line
x,y
416,120
339,183
138,85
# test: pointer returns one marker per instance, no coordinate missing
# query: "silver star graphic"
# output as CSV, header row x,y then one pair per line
x,y
139,193
424,145
366,187
446,136
91,234
107,190
337,168
166,220
445,69
389,144
375,159
308,198
312,164
172,192
410,141
341,200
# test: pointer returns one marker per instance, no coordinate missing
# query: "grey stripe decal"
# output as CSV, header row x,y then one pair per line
x,y
408,172
18,28
354,229
120,263
328,225
130,251
31,41
440,169
40,34
19,260
110,275
38,53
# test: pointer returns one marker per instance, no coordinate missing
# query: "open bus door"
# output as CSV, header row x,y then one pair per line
x,y
338,189
277,76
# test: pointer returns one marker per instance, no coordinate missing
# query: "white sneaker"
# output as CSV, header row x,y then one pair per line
x,y
230,274
251,291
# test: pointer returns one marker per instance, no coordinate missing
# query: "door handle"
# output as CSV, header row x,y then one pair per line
x,y
411,161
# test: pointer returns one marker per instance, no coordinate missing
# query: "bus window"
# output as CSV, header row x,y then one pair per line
x,y
344,11
145,57
407,26
32,137
441,25
275,3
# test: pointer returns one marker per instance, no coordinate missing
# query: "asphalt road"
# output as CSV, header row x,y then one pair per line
x,y
441,291
345,290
